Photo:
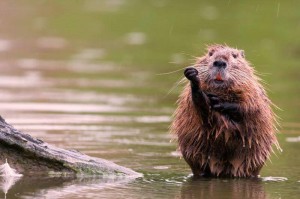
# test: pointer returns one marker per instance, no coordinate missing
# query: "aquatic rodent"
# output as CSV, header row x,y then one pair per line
x,y
224,123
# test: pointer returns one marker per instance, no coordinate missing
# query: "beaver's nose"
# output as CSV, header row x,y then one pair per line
x,y
220,64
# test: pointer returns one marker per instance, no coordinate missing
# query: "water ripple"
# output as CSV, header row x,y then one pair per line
x,y
274,179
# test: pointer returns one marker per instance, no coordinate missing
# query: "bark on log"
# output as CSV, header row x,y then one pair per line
x,y
31,156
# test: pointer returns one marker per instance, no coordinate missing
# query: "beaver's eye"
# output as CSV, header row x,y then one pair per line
x,y
234,55
210,53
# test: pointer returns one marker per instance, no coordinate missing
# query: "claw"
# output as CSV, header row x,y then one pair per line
x,y
191,74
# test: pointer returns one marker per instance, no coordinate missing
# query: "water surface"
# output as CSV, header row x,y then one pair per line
x,y
95,76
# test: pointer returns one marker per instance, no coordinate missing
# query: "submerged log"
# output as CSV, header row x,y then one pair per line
x,y
31,156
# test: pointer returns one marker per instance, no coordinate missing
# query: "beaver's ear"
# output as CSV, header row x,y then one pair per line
x,y
242,52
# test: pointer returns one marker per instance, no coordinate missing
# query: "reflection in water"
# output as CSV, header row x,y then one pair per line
x,y
155,185
56,107
61,187
9,177
223,188
7,182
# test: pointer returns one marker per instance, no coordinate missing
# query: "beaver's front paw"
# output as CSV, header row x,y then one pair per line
x,y
232,110
213,99
192,74
225,107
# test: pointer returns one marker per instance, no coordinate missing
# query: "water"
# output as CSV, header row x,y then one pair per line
x,y
91,76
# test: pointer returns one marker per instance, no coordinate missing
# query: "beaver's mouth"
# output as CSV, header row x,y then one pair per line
x,y
217,81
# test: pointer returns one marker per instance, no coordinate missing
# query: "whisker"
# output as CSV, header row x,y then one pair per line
x,y
171,72
179,81
191,56
167,73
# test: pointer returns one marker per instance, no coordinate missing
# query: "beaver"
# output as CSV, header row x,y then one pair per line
x,y
224,123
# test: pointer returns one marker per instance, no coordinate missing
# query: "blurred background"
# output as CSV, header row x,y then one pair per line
x,y
101,76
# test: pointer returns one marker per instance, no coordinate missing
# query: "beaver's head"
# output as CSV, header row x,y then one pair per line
x,y
223,67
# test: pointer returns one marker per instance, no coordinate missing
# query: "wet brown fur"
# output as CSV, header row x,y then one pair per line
x,y
225,148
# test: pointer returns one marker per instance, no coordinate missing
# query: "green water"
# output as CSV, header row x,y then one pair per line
x,y
94,76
